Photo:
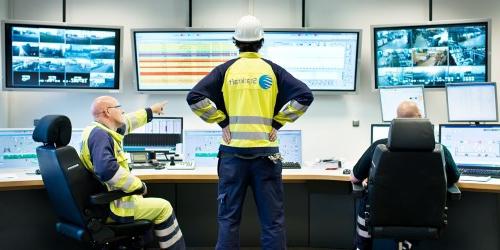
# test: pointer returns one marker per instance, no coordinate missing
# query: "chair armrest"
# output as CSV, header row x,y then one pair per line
x,y
357,190
454,193
107,197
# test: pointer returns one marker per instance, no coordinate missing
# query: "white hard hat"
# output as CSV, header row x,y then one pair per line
x,y
248,29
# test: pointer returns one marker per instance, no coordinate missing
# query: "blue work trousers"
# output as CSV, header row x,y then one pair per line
x,y
264,177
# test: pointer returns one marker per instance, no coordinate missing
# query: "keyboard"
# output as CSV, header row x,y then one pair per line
x,y
145,166
291,165
494,173
181,165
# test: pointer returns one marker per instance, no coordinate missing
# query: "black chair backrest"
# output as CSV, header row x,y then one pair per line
x,y
407,183
68,183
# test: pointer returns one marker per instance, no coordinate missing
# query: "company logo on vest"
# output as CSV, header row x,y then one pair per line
x,y
265,81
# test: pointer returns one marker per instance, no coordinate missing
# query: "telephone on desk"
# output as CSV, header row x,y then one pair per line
x,y
328,164
159,161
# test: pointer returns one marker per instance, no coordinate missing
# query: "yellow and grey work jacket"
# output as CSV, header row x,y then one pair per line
x,y
247,93
102,154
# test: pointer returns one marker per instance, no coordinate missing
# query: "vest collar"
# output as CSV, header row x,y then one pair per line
x,y
117,136
249,55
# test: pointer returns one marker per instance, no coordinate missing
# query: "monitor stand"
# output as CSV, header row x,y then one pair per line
x,y
152,159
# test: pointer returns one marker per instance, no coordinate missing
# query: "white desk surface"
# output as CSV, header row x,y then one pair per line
x,y
24,178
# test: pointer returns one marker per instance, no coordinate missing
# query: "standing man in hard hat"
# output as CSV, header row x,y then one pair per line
x,y
248,93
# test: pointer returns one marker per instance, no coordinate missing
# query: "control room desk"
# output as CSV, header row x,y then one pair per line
x,y
24,179
319,210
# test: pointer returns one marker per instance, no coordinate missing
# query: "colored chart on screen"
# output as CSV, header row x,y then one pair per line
x,y
178,60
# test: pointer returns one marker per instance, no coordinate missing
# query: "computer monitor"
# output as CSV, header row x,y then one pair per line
x,y
326,60
379,131
76,139
178,59
391,97
39,55
202,147
290,143
18,149
162,134
431,54
472,102
472,145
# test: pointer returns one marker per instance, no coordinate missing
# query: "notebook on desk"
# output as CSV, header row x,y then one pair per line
x,y
475,178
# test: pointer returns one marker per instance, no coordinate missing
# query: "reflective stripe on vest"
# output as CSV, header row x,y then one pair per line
x,y
250,120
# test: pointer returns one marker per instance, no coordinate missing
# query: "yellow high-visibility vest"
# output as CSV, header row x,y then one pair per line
x,y
122,209
250,89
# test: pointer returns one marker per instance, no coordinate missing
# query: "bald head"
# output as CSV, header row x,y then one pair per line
x,y
100,104
408,109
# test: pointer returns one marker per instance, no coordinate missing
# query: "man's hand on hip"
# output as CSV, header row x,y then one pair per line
x,y
273,135
226,134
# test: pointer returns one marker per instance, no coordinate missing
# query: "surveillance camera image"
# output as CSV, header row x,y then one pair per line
x,y
43,56
430,55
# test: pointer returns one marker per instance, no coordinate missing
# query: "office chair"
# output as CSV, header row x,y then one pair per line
x,y
81,202
407,189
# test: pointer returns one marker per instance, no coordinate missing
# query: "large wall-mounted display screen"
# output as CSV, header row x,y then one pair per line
x,y
178,59
47,56
324,60
431,55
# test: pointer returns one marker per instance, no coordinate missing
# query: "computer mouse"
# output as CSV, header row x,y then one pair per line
x,y
346,171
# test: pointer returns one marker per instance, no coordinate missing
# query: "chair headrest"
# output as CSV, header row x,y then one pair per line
x,y
53,129
411,134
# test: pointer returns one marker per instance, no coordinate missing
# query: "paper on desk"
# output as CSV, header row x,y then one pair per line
x,y
7,176
475,178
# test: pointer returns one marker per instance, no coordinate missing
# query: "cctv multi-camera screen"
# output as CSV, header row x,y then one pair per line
x,y
40,56
431,55
177,60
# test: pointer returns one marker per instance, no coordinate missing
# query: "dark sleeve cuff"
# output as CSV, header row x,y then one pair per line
x,y
224,123
142,189
150,114
276,125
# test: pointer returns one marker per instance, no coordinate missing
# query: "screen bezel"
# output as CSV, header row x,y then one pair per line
x,y
431,24
38,24
471,84
465,125
400,87
276,30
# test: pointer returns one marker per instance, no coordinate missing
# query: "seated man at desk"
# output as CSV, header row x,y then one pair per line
x,y
361,170
102,154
